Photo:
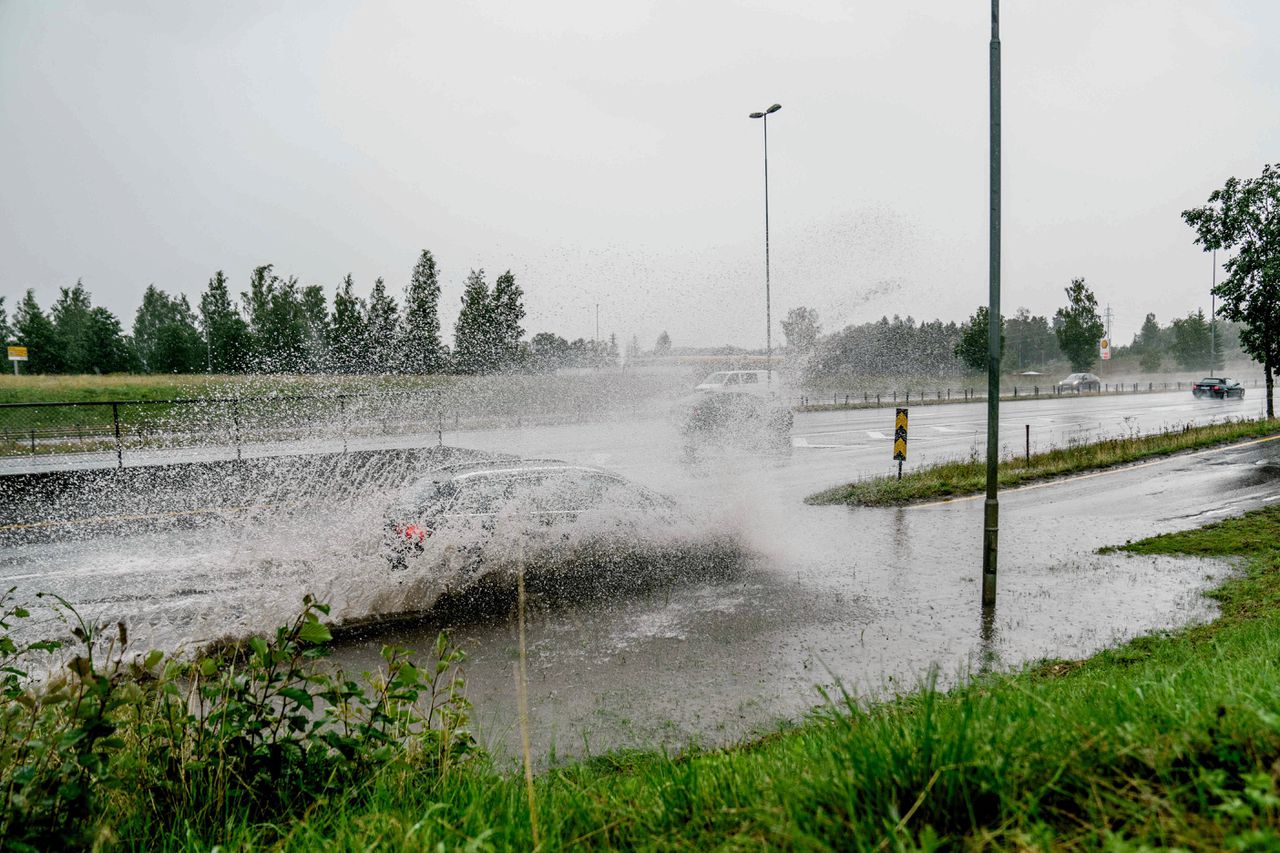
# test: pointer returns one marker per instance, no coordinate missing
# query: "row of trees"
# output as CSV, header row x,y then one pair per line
x,y
278,325
903,347
1030,341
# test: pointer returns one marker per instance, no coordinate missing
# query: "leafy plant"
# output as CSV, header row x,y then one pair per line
x,y
255,732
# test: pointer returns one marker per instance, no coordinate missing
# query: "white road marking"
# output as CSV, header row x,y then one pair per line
x,y
949,429
874,434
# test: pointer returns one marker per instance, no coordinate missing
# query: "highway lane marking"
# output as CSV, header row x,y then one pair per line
x,y
1091,475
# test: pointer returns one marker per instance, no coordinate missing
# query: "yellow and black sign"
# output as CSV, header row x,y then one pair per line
x,y
900,436
17,353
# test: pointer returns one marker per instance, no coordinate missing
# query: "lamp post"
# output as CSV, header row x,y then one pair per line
x,y
768,316
991,513
1213,316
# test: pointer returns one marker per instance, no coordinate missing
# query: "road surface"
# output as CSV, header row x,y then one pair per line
x,y
870,599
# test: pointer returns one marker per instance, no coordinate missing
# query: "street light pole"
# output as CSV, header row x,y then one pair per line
x,y
768,316
991,514
1213,317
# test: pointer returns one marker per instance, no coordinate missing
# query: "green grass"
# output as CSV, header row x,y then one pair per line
x,y
1171,740
968,476
122,386
87,388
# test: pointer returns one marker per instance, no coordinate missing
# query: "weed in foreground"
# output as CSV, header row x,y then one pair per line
x,y
258,733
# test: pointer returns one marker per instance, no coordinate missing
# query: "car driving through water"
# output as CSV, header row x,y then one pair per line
x,y
465,517
744,408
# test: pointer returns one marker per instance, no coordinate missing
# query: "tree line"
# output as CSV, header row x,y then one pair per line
x,y
278,325
903,347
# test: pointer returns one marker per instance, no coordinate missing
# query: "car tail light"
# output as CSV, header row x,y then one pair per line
x,y
413,532
1217,387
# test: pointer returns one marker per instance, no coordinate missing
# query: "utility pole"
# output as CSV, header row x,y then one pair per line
x,y
991,508
1213,319
1107,316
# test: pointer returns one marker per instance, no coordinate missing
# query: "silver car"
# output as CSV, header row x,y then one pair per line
x,y
1080,383
472,513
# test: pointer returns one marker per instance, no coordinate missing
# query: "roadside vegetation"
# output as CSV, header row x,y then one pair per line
x,y
1171,740
84,388
968,476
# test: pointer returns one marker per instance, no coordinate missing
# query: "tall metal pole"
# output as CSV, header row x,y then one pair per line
x,y
991,513
768,316
1213,317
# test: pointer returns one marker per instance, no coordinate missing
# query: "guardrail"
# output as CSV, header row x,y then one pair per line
x,y
940,395
114,430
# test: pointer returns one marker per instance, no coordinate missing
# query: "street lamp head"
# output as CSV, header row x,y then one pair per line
x,y
756,115
774,108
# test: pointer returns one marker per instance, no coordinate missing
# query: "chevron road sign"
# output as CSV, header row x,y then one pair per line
x,y
900,439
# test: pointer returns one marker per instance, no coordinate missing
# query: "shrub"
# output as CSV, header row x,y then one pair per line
x,y
254,732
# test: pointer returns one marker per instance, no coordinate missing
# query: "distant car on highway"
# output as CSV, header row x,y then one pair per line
x,y
475,513
1220,387
736,381
1080,383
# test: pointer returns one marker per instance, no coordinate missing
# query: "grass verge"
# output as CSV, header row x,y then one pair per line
x,y
968,476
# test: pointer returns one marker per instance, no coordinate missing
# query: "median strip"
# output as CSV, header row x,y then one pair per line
x,y
967,477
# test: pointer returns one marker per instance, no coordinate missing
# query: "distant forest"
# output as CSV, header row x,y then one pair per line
x,y
904,347
278,325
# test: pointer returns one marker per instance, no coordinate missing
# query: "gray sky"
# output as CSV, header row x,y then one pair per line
x,y
602,151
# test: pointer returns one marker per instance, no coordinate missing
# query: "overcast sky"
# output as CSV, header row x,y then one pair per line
x,y
602,151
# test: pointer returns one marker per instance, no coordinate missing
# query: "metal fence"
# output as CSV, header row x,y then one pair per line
x,y
120,431
936,395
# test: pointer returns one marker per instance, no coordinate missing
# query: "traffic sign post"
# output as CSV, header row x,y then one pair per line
x,y
17,354
1104,349
900,439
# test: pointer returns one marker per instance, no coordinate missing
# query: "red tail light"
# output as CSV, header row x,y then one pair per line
x,y
1217,387
413,532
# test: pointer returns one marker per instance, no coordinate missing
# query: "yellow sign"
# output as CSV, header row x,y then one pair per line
x,y
900,435
17,353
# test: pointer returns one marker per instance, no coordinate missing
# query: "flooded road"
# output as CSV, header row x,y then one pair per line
x,y
868,599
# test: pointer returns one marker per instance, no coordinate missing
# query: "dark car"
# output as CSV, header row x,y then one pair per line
x,y
1220,387
1080,383
464,516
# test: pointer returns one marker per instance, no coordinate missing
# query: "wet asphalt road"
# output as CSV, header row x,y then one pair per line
x,y
870,599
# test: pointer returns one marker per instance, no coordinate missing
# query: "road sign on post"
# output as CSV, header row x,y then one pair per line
x,y
17,354
900,439
1104,349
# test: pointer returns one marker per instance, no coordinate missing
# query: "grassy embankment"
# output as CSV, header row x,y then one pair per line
x,y
86,388
1169,740
968,476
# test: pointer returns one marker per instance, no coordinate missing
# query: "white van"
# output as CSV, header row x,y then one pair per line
x,y
739,381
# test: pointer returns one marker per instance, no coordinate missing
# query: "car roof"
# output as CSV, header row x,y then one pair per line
x,y
481,469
